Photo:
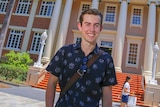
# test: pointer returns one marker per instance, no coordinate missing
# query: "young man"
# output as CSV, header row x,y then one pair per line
x,y
97,81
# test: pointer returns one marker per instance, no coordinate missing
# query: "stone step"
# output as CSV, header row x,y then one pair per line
x,y
116,90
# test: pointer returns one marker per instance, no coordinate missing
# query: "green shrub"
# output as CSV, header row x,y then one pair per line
x,y
11,72
15,66
18,59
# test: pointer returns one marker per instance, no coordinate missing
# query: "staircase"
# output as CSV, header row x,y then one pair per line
x,y
43,83
135,85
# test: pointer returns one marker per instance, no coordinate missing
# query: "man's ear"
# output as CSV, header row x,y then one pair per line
x,y
101,28
79,26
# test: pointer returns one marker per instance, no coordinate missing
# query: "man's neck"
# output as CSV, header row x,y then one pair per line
x,y
87,48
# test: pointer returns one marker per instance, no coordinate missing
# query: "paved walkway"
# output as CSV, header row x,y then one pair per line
x,y
25,96
22,97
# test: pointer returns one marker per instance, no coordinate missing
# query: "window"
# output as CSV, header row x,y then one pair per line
x,y
106,43
35,47
15,39
132,55
3,5
84,6
78,40
133,51
110,14
136,16
23,7
47,8
77,36
106,46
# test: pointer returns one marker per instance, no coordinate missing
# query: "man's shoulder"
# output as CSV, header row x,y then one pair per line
x,y
68,46
104,53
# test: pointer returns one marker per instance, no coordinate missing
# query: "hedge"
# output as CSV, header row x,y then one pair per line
x,y
11,72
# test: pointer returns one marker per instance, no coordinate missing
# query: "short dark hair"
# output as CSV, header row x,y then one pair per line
x,y
91,12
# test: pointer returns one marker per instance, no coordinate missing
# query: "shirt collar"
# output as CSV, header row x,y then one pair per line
x,y
78,46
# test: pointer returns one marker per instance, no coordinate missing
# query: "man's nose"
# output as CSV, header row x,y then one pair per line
x,y
92,28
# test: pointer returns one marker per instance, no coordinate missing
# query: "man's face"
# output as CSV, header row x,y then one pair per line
x,y
90,28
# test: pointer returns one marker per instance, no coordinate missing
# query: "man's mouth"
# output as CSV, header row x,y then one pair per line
x,y
91,35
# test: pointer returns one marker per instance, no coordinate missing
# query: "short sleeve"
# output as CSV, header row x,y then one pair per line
x,y
55,64
110,75
126,85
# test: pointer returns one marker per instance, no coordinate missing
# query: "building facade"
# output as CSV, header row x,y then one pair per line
x,y
130,29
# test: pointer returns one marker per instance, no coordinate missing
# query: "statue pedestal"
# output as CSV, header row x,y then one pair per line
x,y
35,75
152,95
154,82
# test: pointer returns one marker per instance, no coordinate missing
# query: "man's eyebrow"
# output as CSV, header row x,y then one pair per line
x,y
97,23
86,22
89,22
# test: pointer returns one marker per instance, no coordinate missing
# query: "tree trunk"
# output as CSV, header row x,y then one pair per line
x,y
5,25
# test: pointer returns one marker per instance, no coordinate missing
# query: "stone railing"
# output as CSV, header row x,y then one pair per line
x,y
36,74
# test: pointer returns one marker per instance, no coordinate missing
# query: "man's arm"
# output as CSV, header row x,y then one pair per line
x,y
107,96
50,91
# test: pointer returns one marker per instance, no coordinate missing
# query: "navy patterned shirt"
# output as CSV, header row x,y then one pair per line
x,y
87,90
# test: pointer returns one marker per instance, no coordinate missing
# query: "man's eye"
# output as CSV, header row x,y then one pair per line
x,y
87,24
97,25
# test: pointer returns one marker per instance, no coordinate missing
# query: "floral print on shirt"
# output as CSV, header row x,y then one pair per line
x,y
87,90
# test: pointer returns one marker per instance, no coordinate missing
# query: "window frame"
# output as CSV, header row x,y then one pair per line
x,y
81,6
27,11
37,43
110,36
51,11
19,41
141,17
105,12
76,34
5,4
105,46
135,40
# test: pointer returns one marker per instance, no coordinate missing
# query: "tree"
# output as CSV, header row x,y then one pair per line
x,y
5,24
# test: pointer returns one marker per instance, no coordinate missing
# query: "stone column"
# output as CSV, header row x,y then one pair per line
x,y
64,24
29,25
52,31
150,37
120,35
5,24
158,60
95,4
